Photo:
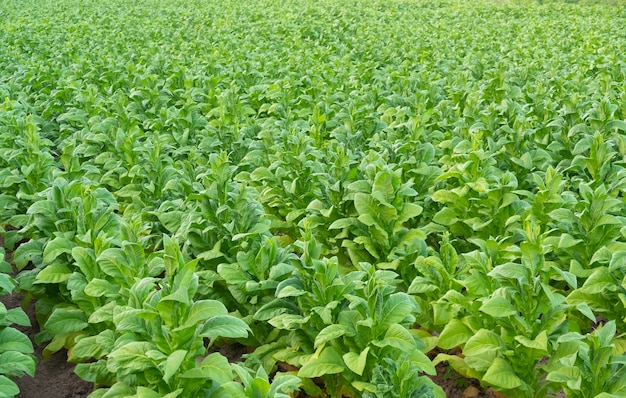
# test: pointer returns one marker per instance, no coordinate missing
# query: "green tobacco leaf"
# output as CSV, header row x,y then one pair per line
x,y
369,220
274,308
562,216
172,364
180,295
285,384
259,388
598,281
243,374
7,284
364,386
498,307
106,339
7,202
568,277
7,387
288,321
343,223
458,364
383,187
501,374
395,309
27,252
509,271
225,326
231,389
212,254
131,358
128,319
329,333
258,228
143,392
444,196
117,390
233,274
94,372
57,343
171,220
569,375
356,362
409,211
421,285
366,206
328,361
66,320
56,247
421,361
18,316
218,367
445,216
566,241
454,334
14,340
85,260
202,310
100,287
54,273
427,340
84,349
129,191
480,185
113,262
369,245
617,125
103,314
399,337
618,382
16,364
360,186
540,343
481,349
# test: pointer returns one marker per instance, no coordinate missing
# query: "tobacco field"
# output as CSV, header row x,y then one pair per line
x,y
354,192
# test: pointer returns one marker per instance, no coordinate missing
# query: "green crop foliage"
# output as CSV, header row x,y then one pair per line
x,y
352,191
16,350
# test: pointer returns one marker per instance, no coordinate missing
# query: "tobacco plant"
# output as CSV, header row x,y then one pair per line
x,y
378,230
16,350
159,340
589,365
344,325
511,326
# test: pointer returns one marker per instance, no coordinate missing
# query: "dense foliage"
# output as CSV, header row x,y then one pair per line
x,y
342,187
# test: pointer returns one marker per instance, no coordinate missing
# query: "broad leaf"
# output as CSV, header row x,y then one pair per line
x,y
501,374
172,364
356,362
329,361
455,333
498,307
224,326
329,333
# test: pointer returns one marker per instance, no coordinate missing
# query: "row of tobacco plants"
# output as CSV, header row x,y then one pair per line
x,y
355,192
